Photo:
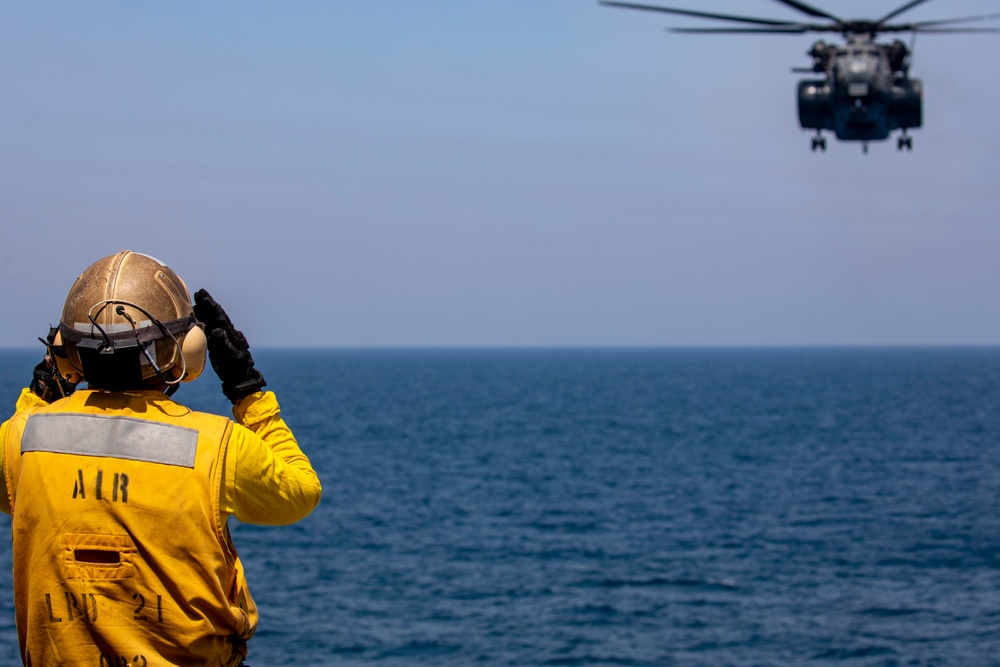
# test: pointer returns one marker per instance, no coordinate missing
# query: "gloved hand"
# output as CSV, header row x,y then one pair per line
x,y
228,350
46,382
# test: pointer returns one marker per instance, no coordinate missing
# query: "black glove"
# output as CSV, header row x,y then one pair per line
x,y
228,350
46,382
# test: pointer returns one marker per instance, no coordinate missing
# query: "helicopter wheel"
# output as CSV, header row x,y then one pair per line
x,y
864,147
819,142
906,142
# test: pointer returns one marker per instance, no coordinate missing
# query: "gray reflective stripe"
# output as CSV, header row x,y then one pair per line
x,y
113,437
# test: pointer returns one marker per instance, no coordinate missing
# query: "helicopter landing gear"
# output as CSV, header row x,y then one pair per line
x,y
905,141
819,141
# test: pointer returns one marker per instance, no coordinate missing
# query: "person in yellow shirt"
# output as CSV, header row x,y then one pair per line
x,y
119,496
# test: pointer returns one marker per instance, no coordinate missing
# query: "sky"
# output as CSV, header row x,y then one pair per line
x,y
411,173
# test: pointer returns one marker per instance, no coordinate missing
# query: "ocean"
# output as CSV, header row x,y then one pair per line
x,y
626,507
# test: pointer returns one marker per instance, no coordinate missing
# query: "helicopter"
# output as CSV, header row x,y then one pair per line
x,y
866,91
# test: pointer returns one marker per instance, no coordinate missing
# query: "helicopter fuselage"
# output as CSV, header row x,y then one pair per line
x,y
866,92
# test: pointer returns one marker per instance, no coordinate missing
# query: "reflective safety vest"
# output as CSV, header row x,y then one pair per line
x,y
120,557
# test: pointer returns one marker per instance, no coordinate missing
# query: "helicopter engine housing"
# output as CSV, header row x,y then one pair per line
x,y
906,103
815,105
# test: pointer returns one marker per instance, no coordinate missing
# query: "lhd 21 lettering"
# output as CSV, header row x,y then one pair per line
x,y
68,607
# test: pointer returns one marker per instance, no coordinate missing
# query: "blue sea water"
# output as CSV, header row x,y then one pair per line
x,y
627,507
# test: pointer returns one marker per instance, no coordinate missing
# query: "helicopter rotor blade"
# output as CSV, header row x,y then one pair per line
x,y
937,26
776,26
925,31
789,30
967,19
896,12
810,10
703,15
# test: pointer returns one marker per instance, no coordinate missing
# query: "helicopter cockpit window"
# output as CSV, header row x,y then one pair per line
x,y
857,65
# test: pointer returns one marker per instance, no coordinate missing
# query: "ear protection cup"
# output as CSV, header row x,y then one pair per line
x,y
64,365
194,349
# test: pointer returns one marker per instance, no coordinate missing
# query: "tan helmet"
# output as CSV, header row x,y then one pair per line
x,y
128,320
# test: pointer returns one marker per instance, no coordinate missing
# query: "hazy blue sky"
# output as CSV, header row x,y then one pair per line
x,y
503,172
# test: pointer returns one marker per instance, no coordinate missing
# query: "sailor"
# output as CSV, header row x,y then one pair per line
x,y
119,497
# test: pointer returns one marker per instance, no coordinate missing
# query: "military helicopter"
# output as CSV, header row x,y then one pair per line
x,y
866,91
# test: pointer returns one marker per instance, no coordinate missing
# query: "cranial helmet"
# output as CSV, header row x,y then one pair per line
x,y
128,323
